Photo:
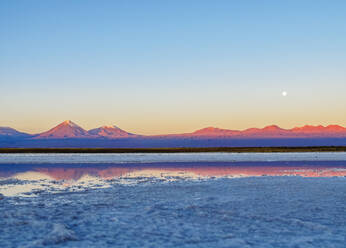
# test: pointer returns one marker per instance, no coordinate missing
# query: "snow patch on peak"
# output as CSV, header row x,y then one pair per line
x,y
70,123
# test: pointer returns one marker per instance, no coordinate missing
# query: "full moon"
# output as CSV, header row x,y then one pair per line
x,y
284,93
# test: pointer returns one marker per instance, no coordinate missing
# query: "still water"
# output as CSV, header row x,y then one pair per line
x,y
25,174
173,200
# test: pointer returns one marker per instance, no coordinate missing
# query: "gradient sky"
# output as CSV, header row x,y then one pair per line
x,y
155,67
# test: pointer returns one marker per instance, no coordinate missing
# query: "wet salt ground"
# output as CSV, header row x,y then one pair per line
x,y
239,212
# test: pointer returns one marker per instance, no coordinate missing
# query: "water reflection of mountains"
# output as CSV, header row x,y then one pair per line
x,y
186,169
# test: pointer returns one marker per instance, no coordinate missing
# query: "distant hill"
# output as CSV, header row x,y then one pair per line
x,y
10,132
69,134
274,131
69,129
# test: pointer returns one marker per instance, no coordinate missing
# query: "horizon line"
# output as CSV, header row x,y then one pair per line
x,y
195,130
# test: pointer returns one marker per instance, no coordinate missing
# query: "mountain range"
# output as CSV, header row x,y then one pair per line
x,y
70,130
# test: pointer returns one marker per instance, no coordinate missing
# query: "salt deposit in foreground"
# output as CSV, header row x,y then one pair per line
x,y
242,212
212,200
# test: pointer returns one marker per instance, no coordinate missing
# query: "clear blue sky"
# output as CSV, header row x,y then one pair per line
x,y
172,66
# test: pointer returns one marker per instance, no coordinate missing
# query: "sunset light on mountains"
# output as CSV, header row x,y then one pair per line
x,y
173,124
69,129
70,134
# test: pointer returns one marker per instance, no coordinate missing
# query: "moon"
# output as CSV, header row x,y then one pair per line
x,y
284,93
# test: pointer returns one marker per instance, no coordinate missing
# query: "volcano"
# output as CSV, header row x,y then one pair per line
x,y
111,132
67,129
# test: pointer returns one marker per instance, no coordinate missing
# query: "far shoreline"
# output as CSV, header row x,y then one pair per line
x,y
281,149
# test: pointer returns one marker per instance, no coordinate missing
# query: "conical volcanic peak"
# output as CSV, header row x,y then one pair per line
x,y
70,123
66,129
109,132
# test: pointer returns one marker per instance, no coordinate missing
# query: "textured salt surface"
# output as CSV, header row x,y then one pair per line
x,y
242,212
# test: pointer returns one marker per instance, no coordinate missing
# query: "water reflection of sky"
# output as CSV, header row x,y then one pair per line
x,y
30,179
107,172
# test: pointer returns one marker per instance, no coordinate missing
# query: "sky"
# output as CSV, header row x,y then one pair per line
x,y
153,67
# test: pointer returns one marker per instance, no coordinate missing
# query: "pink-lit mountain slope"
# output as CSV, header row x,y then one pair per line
x,y
111,132
273,131
213,131
67,129
328,131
